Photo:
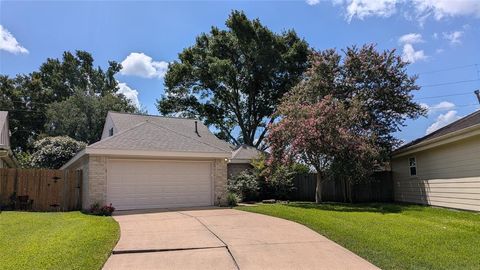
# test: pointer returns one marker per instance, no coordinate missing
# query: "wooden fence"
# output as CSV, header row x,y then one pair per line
x,y
379,189
49,190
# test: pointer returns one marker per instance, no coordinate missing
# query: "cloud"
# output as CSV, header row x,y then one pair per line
x,y
419,9
142,65
453,37
129,93
442,106
443,120
312,2
440,9
9,43
411,38
411,55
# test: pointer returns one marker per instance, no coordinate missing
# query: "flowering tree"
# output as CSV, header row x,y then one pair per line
x,y
322,134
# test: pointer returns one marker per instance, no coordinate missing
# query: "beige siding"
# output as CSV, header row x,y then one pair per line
x,y
5,135
447,176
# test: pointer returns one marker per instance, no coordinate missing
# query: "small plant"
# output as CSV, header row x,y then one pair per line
x,y
232,199
96,209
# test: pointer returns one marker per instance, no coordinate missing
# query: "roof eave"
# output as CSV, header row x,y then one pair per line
x,y
148,153
447,138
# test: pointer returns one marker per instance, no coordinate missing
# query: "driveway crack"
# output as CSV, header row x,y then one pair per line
x,y
220,239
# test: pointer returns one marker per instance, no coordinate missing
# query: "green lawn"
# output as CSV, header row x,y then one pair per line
x,y
392,236
70,240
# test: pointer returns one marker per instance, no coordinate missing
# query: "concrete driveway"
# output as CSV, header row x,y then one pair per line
x,y
219,238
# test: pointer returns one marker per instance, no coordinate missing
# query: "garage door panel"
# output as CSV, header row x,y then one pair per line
x,y
139,184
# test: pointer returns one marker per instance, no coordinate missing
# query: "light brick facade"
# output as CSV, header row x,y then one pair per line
x,y
97,180
220,182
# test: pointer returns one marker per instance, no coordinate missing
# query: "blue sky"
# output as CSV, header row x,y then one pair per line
x,y
440,37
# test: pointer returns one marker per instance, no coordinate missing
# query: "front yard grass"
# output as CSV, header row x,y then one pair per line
x,y
70,240
392,236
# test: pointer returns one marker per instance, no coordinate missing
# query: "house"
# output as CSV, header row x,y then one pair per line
x,y
7,159
241,159
147,161
441,168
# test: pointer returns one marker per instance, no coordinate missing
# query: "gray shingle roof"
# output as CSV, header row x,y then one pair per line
x,y
465,122
157,133
246,152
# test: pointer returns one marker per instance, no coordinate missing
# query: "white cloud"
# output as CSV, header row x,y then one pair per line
x,y
142,65
129,93
312,2
366,8
443,120
453,37
439,50
440,9
9,43
419,9
442,106
411,38
411,55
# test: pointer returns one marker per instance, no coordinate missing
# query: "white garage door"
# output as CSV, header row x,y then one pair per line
x,y
142,184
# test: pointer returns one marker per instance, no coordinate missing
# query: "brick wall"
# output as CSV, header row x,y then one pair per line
x,y
97,184
220,182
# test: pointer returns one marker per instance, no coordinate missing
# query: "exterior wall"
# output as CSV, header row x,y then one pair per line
x,y
1,164
97,182
447,176
220,182
5,135
236,168
82,165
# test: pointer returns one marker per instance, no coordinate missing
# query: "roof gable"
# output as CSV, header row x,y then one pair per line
x,y
246,152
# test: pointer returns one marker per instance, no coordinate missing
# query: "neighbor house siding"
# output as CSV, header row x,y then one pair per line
x,y
106,128
447,176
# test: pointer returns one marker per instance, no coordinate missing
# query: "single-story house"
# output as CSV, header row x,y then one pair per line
x,y
441,168
241,159
7,159
147,161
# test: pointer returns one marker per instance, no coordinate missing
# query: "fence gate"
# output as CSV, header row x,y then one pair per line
x,y
47,190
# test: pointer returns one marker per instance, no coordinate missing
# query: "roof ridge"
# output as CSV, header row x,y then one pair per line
x,y
151,115
187,136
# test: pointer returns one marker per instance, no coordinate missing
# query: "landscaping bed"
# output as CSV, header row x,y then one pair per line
x,y
69,240
392,236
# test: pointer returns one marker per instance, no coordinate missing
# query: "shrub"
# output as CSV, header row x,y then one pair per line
x,y
280,182
53,152
245,185
96,209
232,199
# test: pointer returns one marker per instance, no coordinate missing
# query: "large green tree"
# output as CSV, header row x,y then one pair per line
x,y
233,79
28,97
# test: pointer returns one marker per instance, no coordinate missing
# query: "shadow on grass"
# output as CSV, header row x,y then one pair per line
x,y
384,208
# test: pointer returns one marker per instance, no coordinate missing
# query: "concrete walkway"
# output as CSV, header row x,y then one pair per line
x,y
219,238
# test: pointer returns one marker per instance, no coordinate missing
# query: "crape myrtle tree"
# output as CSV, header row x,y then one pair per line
x,y
233,79
341,117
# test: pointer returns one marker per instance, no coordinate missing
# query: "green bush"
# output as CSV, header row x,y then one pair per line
x,y
232,199
245,185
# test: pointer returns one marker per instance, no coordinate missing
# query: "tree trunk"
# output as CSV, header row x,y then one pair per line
x,y
318,189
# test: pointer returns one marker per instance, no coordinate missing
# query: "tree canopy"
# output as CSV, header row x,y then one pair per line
x,y
54,152
32,99
234,78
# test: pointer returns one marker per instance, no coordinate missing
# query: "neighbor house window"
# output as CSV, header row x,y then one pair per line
x,y
110,132
413,166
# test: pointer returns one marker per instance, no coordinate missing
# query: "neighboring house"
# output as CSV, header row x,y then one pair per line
x,y
241,159
153,162
7,160
441,168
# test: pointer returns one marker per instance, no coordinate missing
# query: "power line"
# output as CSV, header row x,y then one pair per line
x,y
451,95
448,69
450,83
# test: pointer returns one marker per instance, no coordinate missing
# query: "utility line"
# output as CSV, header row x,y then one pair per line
x,y
449,83
448,69
451,95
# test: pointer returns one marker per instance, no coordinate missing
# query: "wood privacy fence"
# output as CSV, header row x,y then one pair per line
x,y
50,190
379,189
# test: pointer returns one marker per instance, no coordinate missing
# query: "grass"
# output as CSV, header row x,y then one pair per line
x,y
392,236
70,240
